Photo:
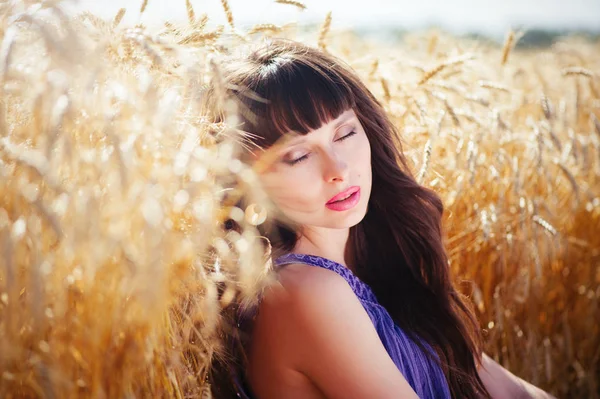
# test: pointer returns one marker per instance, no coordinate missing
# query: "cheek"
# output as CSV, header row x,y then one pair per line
x,y
361,155
296,192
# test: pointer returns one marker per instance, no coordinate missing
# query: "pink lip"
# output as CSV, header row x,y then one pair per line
x,y
344,193
346,204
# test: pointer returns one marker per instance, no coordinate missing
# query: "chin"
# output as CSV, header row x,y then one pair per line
x,y
352,219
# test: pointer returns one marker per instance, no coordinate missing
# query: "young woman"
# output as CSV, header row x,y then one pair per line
x,y
365,306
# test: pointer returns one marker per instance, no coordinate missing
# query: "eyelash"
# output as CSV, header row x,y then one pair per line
x,y
303,157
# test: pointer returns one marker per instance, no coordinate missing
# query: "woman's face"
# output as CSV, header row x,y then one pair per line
x,y
309,171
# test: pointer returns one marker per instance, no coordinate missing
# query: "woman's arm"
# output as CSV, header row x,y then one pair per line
x,y
502,384
314,325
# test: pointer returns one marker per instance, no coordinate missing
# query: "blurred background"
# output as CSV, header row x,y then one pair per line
x,y
117,276
543,20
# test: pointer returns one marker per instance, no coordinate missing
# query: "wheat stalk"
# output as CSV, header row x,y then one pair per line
x,y
118,17
386,90
440,67
105,203
373,68
425,163
190,12
197,38
493,85
228,13
324,30
577,71
265,28
545,224
512,38
294,3
143,7
547,107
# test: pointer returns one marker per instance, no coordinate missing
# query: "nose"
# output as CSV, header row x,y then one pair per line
x,y
335,167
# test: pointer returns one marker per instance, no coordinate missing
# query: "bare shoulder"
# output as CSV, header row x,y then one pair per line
x,y
279,343
304,282
290,305
300,288
311,328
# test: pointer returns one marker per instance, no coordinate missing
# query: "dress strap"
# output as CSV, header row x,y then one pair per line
x,y
360,288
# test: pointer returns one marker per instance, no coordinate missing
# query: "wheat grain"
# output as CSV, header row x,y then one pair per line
x,y
190,12
201,22
373,68
386,89
119,16
547,107
143,7
324,31
197,38
545,224
577,71
539,138
493,85
228,13
425,163
450,62
265,28
109,242
432,72
485,225
294,3
512,38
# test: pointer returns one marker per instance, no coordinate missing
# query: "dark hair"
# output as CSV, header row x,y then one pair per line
x,y
397,249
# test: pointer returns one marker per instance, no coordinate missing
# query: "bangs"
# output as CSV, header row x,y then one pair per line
x,y
291,96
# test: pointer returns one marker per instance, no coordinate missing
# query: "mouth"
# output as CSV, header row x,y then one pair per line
x,y
344,200
344,194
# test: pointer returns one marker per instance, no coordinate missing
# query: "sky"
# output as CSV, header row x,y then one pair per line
x,y
460,16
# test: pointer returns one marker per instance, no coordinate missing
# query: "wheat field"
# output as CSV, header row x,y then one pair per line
x,y
115,271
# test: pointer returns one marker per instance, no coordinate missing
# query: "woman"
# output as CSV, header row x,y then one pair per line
x,y
365,307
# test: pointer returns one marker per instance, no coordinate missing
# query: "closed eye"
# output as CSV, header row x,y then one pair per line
x,y
303,157
295,161
352,133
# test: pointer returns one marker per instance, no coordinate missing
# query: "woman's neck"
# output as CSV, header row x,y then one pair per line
x,y
324,242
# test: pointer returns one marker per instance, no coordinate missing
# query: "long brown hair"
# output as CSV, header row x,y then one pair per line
x,y
397,249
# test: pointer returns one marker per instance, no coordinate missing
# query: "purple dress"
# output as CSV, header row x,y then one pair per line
x,y
424,375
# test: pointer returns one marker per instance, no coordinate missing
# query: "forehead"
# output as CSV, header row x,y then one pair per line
x,y
333,124
344,117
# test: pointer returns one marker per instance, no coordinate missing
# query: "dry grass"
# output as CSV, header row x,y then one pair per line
x,y
114,272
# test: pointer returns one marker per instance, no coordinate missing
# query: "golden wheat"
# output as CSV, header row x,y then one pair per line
x,y
324,31
115,276
297,4
228,13
190,12
143,6
119,16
